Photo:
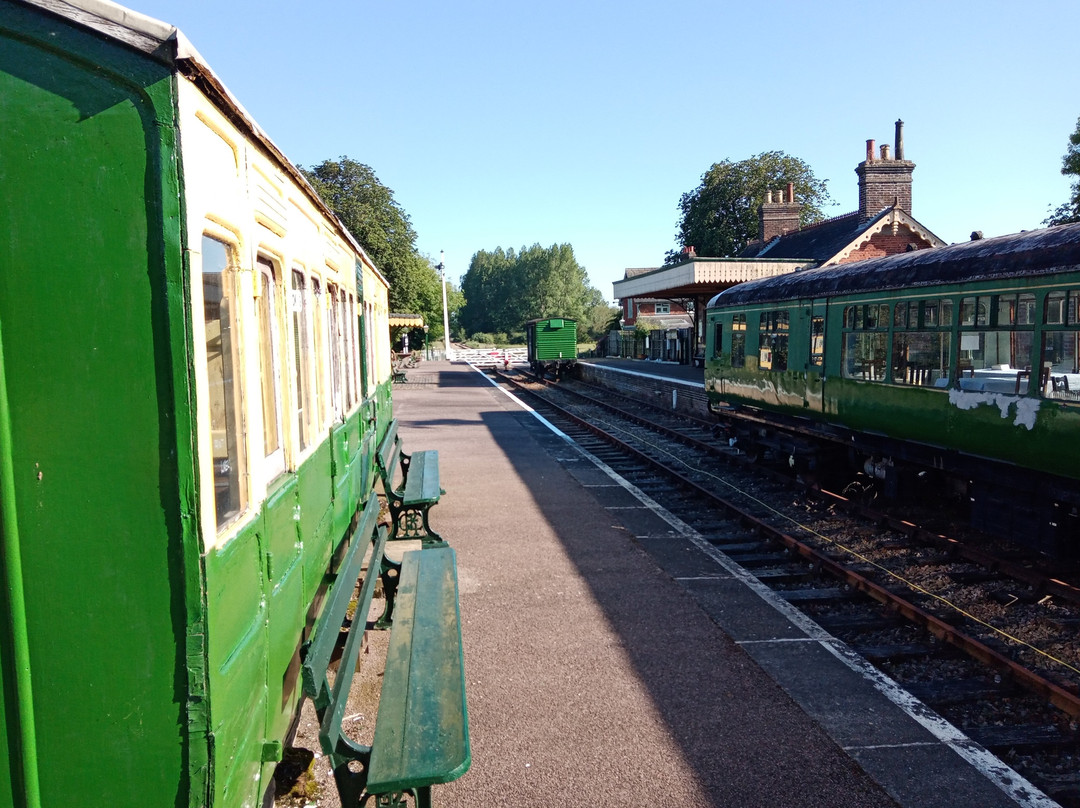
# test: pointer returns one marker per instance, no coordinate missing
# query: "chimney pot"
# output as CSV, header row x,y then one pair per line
x,y
768,197
884,151
899,140
791,193
870,151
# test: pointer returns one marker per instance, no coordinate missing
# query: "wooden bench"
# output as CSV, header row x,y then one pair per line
x,y
421,735
411,500
398,372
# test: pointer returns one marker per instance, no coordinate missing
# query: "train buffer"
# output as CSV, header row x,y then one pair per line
x,y
411,500
421,735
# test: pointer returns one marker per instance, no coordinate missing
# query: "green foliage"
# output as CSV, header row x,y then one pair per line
x,y
720,217
369,211
504,289
1069,212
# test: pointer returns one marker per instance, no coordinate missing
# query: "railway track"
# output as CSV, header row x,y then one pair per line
x,y
988,642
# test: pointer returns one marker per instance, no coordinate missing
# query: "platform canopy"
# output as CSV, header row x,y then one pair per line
x,y
703,277
407,320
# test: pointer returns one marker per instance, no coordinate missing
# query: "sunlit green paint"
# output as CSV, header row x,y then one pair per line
x,y
20,750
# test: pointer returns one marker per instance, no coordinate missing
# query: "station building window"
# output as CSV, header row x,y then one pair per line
x,y
922,342
222,367
865,344
773,340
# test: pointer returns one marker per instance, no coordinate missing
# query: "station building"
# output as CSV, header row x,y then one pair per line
x,y
882,225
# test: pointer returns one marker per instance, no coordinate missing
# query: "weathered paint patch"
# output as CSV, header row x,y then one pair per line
x,y
1026,408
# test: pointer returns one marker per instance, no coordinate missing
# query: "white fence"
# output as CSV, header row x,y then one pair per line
x,y
490,357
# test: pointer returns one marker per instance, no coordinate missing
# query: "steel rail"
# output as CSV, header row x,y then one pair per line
x,y
1060,697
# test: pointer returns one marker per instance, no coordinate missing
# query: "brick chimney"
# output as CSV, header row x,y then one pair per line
x,y
884,180
781,216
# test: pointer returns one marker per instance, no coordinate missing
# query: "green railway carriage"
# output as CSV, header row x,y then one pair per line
x,y
194,372
964,359
551,344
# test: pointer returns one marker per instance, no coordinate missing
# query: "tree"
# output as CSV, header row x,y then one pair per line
x,y
720,216
1069,212
369,211
504,289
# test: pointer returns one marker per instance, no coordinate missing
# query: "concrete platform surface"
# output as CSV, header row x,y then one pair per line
x,y
614,657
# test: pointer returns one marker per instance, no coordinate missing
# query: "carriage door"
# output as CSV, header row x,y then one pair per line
x,y
813,392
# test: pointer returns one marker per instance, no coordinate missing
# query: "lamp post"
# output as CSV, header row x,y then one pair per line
x,y
445,314
427,350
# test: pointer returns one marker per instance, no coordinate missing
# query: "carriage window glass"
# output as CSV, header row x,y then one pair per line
x,y
862,355
354,347
1025,309
298,308
967,311
1054,313
817,341
318,378
921,358
738,341
222,362
333,347
860,317
913,315
1006,310
900,315
1061,365
718,335
1072,308
773,340
346,351
269,358
998,353
931,314
881,316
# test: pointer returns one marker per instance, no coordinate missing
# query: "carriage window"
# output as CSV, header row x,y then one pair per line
x,y
1060,366
222,362
773,344
865,343
817,341
738,341
333,346
974,311
1025,309
1054,312
266,310
718,334
318,378
298,307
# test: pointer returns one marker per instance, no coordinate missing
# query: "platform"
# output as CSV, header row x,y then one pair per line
x,y
614,657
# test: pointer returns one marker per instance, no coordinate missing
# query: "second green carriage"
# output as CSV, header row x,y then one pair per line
x,y
552,345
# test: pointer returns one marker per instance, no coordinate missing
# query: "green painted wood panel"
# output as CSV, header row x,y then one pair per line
x,y
89,267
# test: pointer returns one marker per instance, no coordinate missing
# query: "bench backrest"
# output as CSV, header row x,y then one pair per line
x,y
319,651
389,455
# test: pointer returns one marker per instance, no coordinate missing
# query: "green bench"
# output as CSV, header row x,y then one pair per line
x,y
421,735
410,501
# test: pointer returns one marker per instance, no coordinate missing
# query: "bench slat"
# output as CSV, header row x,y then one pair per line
x,y
423,483
421,732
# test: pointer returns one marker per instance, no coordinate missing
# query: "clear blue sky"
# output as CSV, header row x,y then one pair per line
x,y
504,124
